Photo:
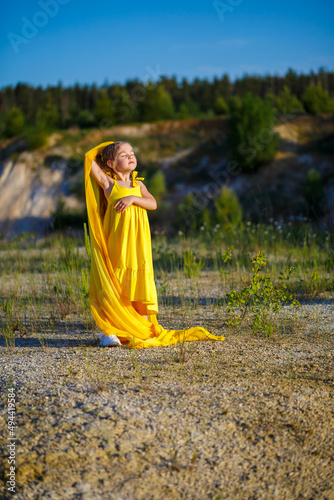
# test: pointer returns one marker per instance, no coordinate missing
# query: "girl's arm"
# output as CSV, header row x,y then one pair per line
x,y
101,177
146,201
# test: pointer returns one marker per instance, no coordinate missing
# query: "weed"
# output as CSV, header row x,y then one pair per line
x,y
260,297
191,266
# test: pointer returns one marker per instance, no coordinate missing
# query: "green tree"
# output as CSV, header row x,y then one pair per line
x,y
86,119
220,107
252,139
316,99
157,105
234,103
189,109
125,108
47,116
104,111
288,103
14,122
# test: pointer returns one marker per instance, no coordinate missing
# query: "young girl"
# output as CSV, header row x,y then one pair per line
x,y
122,292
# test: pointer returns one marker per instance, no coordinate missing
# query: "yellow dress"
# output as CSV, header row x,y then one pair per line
x,y
110,306
128,238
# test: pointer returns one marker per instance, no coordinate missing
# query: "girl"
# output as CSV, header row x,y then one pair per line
x,y
122,292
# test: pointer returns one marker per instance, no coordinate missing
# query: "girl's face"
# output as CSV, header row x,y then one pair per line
x,y
126,160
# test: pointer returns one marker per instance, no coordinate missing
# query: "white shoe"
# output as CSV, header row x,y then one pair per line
x,y
109,340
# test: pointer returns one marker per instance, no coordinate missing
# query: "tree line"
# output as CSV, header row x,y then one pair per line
x,y
37,110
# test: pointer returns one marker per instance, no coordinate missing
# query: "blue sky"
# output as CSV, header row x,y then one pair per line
x,y
70,41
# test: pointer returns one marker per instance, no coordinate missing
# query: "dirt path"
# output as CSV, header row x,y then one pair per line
x,y
248,418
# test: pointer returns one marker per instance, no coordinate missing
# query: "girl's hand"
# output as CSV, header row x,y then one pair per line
x,y
123,203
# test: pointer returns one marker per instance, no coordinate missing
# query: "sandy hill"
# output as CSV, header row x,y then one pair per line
x,y
192,154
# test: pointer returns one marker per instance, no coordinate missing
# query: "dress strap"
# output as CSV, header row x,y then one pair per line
x,y
135,178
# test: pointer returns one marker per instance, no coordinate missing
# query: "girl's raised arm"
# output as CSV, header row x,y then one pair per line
x,y
101,177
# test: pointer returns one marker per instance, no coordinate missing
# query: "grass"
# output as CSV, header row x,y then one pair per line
x,y
44,283
180,420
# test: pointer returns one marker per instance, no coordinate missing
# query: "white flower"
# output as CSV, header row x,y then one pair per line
x,y
202,227
249,223
180,233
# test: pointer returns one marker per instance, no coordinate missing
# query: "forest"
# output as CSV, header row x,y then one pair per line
x,y
37,111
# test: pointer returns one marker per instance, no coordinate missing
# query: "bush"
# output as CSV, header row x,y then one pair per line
x,y
253,141
157,104
47,116
234,103
63,219
288,103
36,139
104,112
189,109
228,210
314,194
225,211
316,99
220,107
188,214
14,122
260,298
86,119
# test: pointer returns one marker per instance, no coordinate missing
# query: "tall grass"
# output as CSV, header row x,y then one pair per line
x,y
44,283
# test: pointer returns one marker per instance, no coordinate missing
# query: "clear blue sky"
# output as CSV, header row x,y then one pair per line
x,y
87,42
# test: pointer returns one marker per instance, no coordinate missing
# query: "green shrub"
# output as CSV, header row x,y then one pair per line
x,y
316,99
104,111
288,103
234,103
220,107
86,119
253,141
157,104
47,116
63,219
260,298
36,139
314,193
14,122
187,215
228,210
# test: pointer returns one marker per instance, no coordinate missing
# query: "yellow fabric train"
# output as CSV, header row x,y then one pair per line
x,y
112,311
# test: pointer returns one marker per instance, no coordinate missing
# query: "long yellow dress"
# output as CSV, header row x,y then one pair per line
x,y
110,290
128,238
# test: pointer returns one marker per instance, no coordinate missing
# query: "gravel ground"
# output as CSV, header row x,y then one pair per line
x,y
248,418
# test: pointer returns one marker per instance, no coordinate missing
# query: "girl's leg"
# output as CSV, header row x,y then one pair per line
x,y
140,308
